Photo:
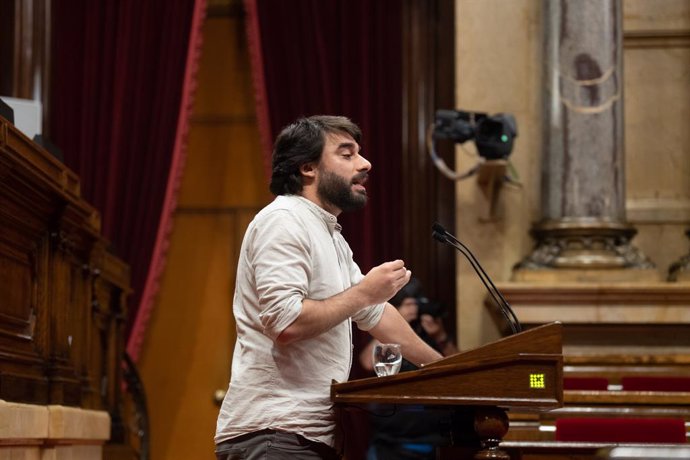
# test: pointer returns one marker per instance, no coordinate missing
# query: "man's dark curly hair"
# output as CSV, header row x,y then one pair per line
x,y
300,143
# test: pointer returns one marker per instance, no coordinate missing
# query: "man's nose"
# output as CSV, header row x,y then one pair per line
x,y
364,164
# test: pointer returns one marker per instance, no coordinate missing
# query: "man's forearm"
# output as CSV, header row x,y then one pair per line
x,y
318,316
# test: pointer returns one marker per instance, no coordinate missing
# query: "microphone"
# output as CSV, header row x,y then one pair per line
x,y
440,234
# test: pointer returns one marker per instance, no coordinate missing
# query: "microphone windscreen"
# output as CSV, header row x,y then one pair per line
x,y
438,228
439,237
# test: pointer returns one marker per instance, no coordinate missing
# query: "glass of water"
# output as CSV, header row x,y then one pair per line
x,y
387,359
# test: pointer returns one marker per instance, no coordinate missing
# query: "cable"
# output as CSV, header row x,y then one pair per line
x,y
441,165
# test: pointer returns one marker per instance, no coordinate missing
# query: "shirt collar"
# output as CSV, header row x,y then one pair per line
x,y
329,219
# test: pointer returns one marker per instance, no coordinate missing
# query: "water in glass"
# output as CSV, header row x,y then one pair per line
x,y
387,359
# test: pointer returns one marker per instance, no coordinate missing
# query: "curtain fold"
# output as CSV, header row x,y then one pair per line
x,y
121,92
256,61
179,154
339,57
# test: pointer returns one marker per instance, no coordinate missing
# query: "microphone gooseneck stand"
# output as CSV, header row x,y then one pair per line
x,y
440,234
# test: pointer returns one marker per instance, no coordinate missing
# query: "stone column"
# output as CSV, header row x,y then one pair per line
x,y
583,176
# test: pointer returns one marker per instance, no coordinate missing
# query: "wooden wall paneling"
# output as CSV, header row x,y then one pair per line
x,y
25,246
226,94
224,172
54,271
108,315
194,324
64,387
428,85
97,386
21,350
40,192
72,240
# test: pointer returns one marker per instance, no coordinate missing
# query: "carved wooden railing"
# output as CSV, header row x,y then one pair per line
x,y
62,294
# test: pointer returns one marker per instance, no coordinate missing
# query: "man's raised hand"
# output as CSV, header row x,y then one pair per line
x,y
384,281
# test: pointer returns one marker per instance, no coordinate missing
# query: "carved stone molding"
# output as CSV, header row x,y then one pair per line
x,y
583,244
657,39
622,319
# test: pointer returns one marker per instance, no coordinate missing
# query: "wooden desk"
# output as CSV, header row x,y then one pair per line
x,y
522,371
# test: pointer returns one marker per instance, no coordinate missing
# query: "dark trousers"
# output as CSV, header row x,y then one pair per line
x,y
273,445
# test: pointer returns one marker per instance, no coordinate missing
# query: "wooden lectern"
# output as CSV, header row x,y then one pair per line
x,y
522,371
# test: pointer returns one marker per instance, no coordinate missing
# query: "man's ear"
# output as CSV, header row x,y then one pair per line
x,y
308,169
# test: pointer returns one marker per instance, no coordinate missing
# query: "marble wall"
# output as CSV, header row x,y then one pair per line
x,y
499,69
657,109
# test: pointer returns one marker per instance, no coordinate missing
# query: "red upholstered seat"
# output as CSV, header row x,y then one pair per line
x,y
629,430
585,383
655,383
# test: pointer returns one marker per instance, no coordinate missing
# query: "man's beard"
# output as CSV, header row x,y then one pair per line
x,y
337,191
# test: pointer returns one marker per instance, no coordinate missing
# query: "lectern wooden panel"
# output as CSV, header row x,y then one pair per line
x,y
62,294
522,371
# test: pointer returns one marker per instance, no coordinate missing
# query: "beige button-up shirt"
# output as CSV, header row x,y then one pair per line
x,y
292,250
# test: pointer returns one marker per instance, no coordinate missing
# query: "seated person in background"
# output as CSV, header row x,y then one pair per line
x,y
411,432
425,317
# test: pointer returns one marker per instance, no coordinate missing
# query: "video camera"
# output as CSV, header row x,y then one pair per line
x,y
492,134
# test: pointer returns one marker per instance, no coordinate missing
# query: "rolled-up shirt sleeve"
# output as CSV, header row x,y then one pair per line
x,y
282,269
369,317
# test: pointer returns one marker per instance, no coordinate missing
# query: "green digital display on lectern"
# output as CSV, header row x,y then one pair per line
x,y
537,381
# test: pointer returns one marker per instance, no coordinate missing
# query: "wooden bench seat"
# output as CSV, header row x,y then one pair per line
x,y
621,429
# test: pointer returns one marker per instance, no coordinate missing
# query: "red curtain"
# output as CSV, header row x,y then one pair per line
x,y
118,77
338,57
